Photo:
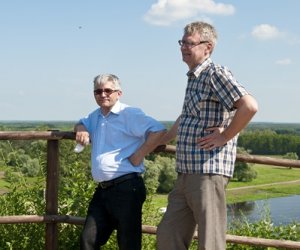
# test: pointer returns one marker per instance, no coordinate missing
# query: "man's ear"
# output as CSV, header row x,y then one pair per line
x,y
209,47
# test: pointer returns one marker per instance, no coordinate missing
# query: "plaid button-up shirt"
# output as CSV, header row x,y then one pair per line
x,y
210,95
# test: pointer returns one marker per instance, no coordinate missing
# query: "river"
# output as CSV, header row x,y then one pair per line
x,y
283,210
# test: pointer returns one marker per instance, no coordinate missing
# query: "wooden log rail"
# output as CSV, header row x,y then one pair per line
x,y
252,241
58,135
51,218
246,158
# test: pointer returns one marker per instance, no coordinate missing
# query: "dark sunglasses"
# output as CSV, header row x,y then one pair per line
x,y
105,91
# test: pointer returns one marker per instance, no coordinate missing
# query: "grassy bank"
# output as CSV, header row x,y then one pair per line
x,y
270,182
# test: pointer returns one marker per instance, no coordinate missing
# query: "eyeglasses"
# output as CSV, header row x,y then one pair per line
x,y
190,44
105,91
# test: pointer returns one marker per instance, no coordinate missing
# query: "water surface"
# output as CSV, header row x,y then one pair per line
x,y
283,210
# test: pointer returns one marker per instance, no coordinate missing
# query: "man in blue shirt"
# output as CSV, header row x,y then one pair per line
x,y
120,137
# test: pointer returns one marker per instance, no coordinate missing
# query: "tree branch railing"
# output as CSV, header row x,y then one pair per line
x,y
51,218
146,229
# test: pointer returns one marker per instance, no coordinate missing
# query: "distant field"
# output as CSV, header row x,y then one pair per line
x,y
28,125
34,125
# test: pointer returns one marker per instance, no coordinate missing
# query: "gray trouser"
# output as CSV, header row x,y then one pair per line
x,y
195,199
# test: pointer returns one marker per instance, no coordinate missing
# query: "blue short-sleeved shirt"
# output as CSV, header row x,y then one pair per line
x,y
115,137
210,95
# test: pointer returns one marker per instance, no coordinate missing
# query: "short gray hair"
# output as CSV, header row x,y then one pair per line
x,y
205,30
101,79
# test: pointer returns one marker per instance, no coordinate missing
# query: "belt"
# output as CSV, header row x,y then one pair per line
x,y
113,182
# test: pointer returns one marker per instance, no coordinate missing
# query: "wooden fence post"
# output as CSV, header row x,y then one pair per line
x,y
52,193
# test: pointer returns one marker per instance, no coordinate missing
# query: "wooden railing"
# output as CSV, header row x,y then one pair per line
x,y
52,218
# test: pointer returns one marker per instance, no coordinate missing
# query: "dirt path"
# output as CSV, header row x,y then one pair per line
x,y
264,185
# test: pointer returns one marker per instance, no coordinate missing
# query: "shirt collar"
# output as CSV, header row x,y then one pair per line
x,y
198,69
115,109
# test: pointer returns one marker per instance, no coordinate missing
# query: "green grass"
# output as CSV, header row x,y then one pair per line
x,y
260,193
256,191
160,200
271,182
269,174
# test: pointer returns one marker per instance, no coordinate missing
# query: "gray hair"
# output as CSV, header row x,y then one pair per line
x,y
102,79
206,31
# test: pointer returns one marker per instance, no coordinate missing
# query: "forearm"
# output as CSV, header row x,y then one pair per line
x,y
171,134
82,135
152,141
79,127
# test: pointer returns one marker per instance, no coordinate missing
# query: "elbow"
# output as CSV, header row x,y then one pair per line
x,y
163,138
250,105
253,107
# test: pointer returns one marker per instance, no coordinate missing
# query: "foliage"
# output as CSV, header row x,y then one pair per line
x,y
75,191
263,228
151,176
244,171
167,175
22,199
27,157
269,142
151,216
291,155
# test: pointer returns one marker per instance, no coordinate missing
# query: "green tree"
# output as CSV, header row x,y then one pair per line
x,y
291,156
167,175
244,171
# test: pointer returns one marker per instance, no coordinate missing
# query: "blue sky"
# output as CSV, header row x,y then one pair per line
x,y
51,51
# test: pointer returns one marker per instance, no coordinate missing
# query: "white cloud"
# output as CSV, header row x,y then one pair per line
x,y
266,32
286,61
165,12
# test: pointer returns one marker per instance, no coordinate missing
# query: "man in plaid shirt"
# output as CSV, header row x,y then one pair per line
x,y
216,108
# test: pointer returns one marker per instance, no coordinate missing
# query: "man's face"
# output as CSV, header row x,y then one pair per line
x,y
106,96
194,53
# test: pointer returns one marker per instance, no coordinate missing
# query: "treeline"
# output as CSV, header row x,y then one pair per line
x,y
270,142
